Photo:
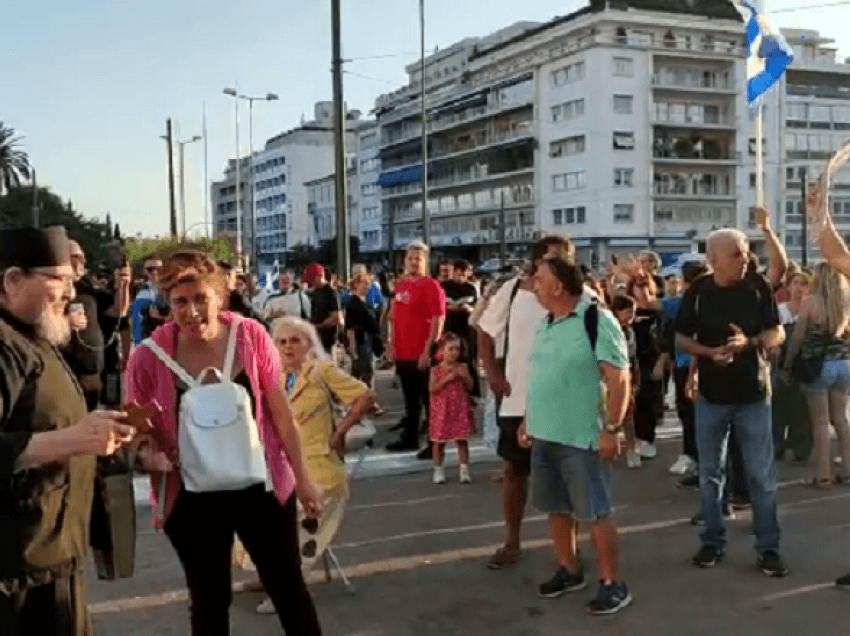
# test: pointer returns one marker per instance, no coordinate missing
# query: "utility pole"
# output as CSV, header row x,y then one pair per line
x,y
35,215
169,140
426,216
804,237
341,198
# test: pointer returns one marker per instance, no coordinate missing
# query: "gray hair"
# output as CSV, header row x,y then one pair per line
x,y
295,323
724,235
417,246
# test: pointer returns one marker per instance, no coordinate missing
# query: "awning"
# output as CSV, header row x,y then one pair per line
x,y
412,174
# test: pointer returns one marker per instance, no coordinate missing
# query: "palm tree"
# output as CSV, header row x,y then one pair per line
x,y
14,163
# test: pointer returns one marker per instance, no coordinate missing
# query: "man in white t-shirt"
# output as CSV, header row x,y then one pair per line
x,y
288,301
506,333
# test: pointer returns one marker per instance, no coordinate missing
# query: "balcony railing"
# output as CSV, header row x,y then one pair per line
x,y
704,84
670,155
687,122
452,181
516,200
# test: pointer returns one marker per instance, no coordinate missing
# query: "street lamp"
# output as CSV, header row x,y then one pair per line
x,y
269,97
181,144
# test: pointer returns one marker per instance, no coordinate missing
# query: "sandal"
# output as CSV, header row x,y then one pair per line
x,y
819,484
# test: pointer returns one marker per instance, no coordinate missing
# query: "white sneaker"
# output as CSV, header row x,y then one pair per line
x,y
682,466
266,607
439,475
465,477
633,459
647,450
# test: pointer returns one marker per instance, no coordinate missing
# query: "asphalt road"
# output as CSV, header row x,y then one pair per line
x,y
416,555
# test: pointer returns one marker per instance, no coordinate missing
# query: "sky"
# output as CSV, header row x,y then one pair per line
x,y
89,84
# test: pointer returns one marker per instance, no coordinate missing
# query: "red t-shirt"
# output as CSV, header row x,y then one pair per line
x,y
417,301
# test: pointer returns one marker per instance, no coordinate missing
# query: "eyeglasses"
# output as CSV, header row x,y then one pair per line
x,y
282,342
151,269
65,281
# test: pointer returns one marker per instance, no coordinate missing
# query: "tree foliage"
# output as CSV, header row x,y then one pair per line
x,y
14,163
139,249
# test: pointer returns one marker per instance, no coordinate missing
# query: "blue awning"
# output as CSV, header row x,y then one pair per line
x,y
411,174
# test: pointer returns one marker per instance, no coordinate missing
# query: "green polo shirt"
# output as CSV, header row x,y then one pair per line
x,y
564,385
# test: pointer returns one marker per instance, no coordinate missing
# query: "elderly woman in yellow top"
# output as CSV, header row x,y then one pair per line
x,y
314,385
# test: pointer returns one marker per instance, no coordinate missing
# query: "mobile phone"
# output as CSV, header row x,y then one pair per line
x,y
76,308
613,259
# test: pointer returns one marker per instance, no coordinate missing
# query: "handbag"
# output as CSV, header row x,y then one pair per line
x,y
359,435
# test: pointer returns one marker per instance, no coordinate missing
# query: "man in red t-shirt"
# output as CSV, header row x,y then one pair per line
x,y
415,322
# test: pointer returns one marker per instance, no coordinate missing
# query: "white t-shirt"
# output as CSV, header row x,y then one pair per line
x,y
526,317
291,303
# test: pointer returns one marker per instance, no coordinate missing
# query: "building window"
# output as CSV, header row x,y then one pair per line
x,y
624,177
624,66
624,213
569,181
557,217
567,74
624,141
566,147
568,110
623,104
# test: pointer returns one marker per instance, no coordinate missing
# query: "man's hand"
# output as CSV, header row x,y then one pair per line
x,y
737,341
424,362
658,370
499,385
692,387
522,437
609,446
123,277
100,433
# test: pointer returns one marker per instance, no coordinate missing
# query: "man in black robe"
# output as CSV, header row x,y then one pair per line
x,y
48,443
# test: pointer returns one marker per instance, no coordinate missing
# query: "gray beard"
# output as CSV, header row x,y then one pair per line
x,y
54,328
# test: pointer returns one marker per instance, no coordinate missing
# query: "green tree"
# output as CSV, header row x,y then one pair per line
x,y
14,163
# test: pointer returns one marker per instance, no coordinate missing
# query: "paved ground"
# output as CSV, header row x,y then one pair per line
x,y
416,555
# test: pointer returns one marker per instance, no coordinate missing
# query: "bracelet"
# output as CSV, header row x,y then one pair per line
x,y
613,429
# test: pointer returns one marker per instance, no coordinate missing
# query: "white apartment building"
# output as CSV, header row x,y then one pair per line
x,y
278,174
224,207
321,206
366,223
813,108
625,127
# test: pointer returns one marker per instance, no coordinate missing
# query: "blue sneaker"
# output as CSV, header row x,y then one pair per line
x,y
610,599
563,581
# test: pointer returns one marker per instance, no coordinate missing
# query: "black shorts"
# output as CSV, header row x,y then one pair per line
x,y
508,447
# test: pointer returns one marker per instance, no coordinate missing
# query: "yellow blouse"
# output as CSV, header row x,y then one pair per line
x,y
314,413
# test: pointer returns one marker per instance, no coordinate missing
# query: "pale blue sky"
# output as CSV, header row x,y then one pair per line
x,y
90,83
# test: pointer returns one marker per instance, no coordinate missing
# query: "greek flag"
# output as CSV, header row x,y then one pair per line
x,y
768,54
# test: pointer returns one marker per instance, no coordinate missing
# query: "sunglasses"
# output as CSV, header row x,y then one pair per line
x,y
311,526
282,342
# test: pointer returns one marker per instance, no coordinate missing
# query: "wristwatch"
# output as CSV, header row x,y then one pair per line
x,y
613,429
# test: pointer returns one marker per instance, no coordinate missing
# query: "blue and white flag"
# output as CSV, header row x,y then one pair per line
x,y
768,54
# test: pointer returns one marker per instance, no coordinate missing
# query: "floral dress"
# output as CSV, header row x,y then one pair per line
x,y
451,414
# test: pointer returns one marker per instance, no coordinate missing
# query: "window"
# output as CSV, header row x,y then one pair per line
x,y
567,74
623,104
624,140
557,217
752,145
569,181
624,66
568,110
567,147
623,177
624,213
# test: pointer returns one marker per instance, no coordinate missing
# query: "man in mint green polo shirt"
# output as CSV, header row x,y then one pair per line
x,y
575,426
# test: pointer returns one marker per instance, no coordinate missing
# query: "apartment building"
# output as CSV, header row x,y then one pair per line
x,y
623,125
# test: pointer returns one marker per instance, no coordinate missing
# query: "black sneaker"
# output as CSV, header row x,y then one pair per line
x,y
690,481
771,564
402,446
609,599
563,581
707,557
843,582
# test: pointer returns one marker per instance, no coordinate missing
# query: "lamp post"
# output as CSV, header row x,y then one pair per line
x,y
180,146
269,97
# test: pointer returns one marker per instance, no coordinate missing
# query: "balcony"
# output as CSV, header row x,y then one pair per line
x,y
695,122
698,150
705,84
455,181
518,197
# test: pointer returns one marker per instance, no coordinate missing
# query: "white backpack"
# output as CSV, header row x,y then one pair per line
x,y
218,442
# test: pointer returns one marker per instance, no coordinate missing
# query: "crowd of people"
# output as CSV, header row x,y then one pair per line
x,y
249,398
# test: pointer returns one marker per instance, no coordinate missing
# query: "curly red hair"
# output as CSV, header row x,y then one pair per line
x,y
191,267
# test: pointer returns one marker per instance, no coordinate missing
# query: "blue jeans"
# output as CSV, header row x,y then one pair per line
x,y
753,433
835,376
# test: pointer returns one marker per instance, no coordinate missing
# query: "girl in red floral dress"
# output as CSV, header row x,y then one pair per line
x,y
451,411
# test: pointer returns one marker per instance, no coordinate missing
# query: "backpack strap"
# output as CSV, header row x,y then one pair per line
x,y
591,324
508,318
170,362
230,356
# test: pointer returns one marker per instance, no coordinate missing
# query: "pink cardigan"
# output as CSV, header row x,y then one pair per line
x,y
149,379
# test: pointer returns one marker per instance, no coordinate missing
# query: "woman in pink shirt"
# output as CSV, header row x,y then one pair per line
x,y
201,525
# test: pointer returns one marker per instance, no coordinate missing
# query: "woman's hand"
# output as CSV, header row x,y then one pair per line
x,y
337,442
155,461
310,496
523,438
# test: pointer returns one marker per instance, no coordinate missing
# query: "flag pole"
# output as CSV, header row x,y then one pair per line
x,y
760,155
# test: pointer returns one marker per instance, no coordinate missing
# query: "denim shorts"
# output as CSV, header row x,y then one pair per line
x,y
835,376
570,481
